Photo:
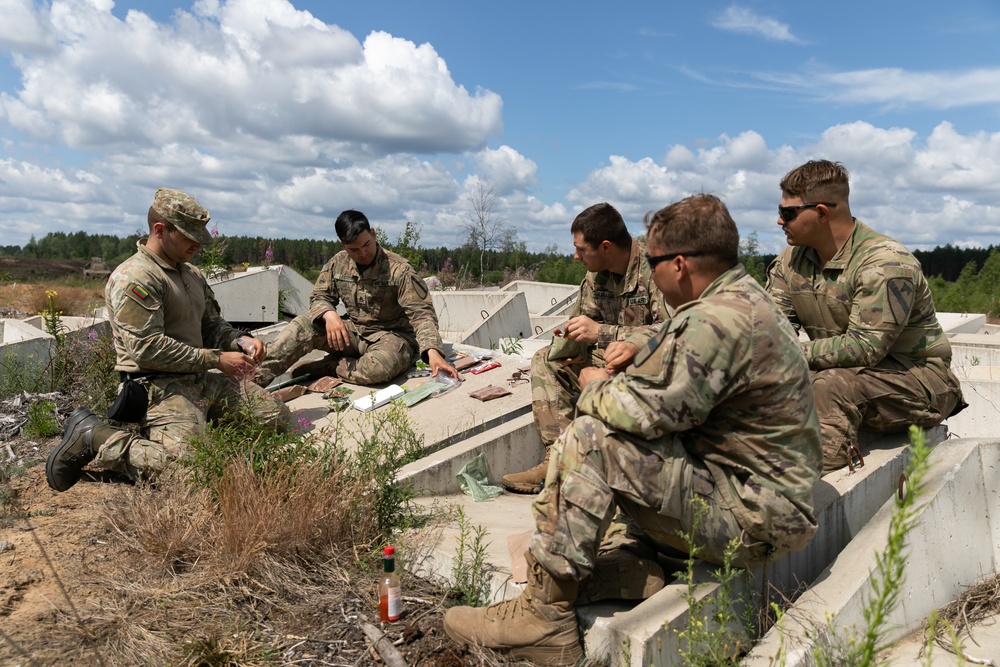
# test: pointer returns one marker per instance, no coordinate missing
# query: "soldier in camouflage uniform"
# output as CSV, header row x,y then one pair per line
x,y
390,316
169,333
878,356
617,298
716,406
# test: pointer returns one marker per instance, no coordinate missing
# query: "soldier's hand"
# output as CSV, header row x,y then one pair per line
x,y
337,336
437,362
236,364
619,354
592,374
583,329
253,348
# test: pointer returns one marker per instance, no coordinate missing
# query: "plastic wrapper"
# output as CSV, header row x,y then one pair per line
x,y
474,480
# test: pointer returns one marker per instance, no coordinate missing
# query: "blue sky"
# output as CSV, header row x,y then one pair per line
x,y
277,115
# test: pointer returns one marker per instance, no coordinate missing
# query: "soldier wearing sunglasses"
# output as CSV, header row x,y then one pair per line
x,y
878,356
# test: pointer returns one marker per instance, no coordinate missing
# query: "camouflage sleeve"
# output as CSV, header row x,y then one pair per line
x,y
415,299
324,295
137,314
880,310
642,337
586,296
676,381
777,287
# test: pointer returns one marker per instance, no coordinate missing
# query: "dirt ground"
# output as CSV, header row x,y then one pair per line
x,y
71,588
61,561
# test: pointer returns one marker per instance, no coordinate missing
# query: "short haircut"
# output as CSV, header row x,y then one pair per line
x,y
699,225
818,181
350,224
601,222
152,217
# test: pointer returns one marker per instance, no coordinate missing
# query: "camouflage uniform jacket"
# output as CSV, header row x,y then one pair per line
x,y
727,377
164,317
871,300
621,306
388,295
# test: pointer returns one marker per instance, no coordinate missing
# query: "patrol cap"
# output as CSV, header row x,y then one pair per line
x,y
183,212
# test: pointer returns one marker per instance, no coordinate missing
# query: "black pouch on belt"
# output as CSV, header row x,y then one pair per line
x,y
132,401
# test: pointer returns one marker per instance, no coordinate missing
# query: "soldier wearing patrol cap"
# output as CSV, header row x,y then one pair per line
x,y
169,336
390,316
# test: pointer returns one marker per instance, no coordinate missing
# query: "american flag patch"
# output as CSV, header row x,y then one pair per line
x,y
139,291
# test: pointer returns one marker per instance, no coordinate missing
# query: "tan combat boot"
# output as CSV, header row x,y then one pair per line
x,y
621,575
539,626
531,480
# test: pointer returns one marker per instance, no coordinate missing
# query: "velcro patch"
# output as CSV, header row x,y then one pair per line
x,y
637,300
420,287
899,299
139,291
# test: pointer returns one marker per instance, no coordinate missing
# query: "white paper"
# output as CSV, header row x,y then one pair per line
x,y
378,398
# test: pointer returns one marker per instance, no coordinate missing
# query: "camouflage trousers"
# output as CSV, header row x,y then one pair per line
x,y
371,358
179,408
885,398
595,470
555,386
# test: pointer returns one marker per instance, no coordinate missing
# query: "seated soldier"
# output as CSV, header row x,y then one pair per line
x,y
716,407
169,334
878,355
390,316
617,298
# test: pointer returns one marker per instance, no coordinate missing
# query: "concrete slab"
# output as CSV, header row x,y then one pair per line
x,y
645,635
982,644
443,420
961,495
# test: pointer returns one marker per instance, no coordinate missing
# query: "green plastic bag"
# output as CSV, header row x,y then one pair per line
x,y
420,392
474,480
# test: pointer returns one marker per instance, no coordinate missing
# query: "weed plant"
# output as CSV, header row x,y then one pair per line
x,y
88,367
384,442
469,573
859,648
19,375
714,636
41,420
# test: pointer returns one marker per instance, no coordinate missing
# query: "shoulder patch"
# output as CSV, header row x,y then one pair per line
x,y
899,298
139,291
419,286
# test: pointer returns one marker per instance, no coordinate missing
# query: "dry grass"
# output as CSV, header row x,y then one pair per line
x,y
977,604
227,580
289,512
31,299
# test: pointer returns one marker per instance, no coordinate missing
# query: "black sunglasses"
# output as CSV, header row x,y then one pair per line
x,y
653,260
789,213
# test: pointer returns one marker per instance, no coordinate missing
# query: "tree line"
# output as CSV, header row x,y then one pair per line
x,y
961,279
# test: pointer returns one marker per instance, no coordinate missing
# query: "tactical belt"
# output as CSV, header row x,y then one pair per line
x,y
151,375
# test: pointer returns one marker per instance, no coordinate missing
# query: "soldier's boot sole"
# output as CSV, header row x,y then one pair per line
x,y
65,462
621,575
